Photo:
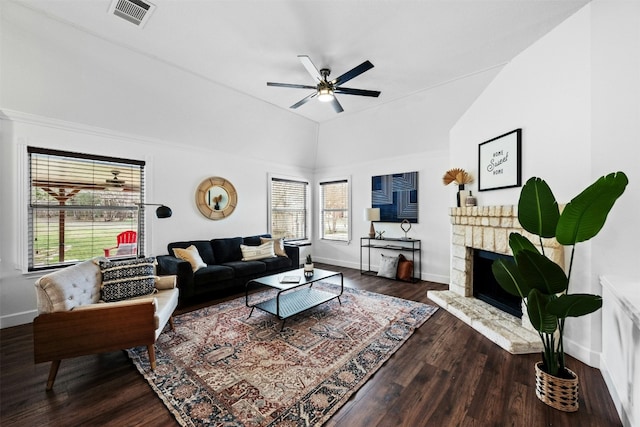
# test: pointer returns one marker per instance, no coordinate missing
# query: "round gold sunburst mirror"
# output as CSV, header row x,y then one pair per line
x,y
216,198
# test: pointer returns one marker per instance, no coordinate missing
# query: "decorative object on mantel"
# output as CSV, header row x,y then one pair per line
x,y
499,162
470,200
308,267
460,177
372,214
404,224
543,284
379,234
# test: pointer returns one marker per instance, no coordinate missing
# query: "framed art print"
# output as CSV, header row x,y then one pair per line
x,y
396,195
499,162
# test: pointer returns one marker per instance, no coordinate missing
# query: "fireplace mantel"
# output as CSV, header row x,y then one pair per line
x,y
488,228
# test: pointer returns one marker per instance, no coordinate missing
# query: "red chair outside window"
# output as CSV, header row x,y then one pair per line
x,y
126,244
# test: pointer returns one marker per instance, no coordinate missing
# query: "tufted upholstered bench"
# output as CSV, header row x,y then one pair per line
x,y
73,320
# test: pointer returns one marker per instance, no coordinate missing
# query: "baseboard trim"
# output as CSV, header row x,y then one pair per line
x,y
16,319
583,354
613,392
356,266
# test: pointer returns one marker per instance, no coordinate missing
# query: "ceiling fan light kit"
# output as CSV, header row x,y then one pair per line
x,y
325,94
326,89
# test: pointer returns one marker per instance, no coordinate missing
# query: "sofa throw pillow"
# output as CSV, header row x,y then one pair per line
x,y
405,269
388,266
278,245
252,253
191,255
127,279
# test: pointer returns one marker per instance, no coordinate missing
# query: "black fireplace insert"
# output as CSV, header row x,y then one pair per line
x,y
487,289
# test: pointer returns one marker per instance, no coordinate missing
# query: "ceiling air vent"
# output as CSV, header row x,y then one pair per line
x,y
135,11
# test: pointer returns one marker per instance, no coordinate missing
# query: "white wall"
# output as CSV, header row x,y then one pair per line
x,y
432,227
575,93
172,179
65,89
615,127
403,136
53,70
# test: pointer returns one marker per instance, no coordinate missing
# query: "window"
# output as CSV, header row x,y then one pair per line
x,y
334,210
289,208
79,204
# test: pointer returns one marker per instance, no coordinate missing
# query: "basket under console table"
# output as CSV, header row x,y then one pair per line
x,y
414,246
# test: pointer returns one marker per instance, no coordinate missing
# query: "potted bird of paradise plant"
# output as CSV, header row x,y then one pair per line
x,y
544,285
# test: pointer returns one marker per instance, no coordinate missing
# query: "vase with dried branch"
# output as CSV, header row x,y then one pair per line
x,y
458,176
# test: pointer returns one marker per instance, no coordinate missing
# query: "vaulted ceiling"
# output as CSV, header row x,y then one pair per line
x,y
414,45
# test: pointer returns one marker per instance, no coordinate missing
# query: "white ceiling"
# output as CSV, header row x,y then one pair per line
x,y
414,45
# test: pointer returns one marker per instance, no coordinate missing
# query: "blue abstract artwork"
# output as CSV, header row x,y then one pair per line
x,y
396,195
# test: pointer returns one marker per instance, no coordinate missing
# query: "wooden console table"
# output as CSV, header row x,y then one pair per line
x,y
392,244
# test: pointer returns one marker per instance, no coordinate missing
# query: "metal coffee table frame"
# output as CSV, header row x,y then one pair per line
x,y
302,296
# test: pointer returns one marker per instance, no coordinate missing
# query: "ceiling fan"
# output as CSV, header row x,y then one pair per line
x,y
115,184
326,89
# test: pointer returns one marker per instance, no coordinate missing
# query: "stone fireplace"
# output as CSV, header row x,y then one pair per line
x,y
487,228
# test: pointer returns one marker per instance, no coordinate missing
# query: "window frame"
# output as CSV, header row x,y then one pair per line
x,y
321,209
307,226
132,204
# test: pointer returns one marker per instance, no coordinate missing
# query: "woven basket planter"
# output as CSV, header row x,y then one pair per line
x,y
559,393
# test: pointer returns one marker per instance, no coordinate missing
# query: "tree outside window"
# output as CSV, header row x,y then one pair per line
x,y
334,210
289,208
78,205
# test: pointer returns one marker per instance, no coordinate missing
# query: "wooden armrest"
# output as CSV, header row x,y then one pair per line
x,y
105,327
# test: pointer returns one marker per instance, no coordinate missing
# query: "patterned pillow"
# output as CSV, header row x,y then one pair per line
x,y
252,253
388,266
126,279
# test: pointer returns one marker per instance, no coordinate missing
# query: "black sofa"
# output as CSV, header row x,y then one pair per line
x,y
225,270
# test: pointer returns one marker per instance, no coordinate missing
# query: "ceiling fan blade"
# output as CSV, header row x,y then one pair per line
x,y
336,105
304,100
361,92
306,61
290,85
354,72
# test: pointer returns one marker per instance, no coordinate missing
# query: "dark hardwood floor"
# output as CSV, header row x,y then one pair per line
x,y
445,375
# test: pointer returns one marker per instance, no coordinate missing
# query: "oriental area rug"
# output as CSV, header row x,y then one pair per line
x,y
221,367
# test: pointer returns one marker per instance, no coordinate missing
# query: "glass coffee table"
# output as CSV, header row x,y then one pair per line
x,y
295,292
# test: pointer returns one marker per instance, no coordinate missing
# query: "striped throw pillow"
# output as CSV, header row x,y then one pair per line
x,y
126,279
252,253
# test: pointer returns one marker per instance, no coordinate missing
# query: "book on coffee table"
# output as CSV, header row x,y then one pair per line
x,y
290,279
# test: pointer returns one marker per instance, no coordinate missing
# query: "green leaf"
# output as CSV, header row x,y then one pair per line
x,y
508,277
538,211
586,214
574,305
518,243
541,319
540,273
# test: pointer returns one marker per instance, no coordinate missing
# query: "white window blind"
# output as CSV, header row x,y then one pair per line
x,y
289,201
334,210
79,204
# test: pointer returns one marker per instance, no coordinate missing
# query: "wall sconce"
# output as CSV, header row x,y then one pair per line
x,y
161,212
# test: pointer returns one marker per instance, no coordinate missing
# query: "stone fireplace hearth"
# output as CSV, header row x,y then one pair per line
x,y
488,228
